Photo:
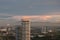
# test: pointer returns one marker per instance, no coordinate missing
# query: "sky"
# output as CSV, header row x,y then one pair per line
x,y
14,10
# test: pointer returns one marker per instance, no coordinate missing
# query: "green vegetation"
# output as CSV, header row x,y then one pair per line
x,y
46,38
54,36
7,38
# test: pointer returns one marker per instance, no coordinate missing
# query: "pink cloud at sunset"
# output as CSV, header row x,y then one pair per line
x,y
32,17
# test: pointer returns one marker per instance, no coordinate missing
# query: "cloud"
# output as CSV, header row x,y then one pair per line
x,y
7,0
41,10
52,13
50,16
41,18
32,18
29,7
45,2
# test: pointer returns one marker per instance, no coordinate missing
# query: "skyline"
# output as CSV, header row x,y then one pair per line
x,y
14,10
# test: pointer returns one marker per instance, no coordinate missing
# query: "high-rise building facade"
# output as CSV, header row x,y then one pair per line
x,y
18,33
25,29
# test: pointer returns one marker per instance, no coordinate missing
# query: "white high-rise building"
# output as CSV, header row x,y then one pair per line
x,y
44,29
25,29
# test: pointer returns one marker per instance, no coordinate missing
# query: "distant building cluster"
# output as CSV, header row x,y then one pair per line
x,y
20,33
26,32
